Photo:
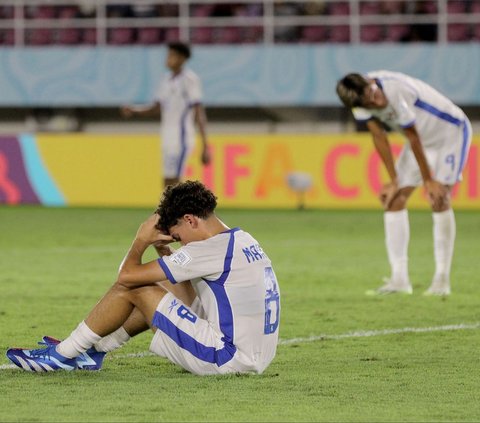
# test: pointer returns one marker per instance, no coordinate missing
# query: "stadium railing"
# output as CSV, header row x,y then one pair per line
x,y
120,22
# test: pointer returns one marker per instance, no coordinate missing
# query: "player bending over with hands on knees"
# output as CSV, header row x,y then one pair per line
x,y
213,304
439,136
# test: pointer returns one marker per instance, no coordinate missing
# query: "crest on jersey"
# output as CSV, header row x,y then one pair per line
x,y
180,257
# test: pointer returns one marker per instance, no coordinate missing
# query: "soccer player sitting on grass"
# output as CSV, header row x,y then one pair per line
x,y
213,304
439,136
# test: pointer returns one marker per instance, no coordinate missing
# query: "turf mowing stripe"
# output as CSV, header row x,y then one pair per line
x,y
356,334
381,332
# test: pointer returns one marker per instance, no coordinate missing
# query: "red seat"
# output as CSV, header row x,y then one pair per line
x,y
456,6
172,34
371,33
370,8
202,35
68,36
149,36
229,35
253,34
121,36
339,8
314,34
7,37
458,32
397,32
89,36
339,34
475,35
39,37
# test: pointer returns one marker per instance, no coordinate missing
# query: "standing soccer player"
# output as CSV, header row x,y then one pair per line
x,y
179,101
439,136
217,310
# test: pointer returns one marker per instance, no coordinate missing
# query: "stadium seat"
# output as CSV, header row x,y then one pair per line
x,y
314,34
393,7
39,37
370,8
339,34
339,8
253,34
6,12
476,32
7,37
228,35
203,35
201,10
458,32
68,12
456,6
43,12
475,6
89,36
121,36
69,36
148,36
172,34
371,33
397,33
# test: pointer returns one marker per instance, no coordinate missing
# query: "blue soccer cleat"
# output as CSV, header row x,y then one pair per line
x,y
89,360
41,360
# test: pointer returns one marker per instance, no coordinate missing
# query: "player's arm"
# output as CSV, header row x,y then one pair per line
x,y
382,146
152,109
132,271
437,193
201,122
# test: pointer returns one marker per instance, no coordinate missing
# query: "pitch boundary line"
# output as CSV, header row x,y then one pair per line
x,y
316,338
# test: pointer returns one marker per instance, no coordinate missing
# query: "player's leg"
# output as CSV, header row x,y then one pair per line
x,y
444,231
397,226
113,310
449,164
397,236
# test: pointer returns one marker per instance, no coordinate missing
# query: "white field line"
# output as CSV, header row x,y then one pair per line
x,y
315,338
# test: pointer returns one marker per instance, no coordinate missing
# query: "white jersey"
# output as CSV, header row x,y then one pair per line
x,y
239,293
177,95
413,102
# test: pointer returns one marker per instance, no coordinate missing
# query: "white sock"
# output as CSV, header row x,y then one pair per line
x,y
397,236
443,241
113,341
79,341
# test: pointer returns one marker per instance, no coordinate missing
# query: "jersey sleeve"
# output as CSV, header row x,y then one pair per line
x,y
405,112
192,262
194,89
361,115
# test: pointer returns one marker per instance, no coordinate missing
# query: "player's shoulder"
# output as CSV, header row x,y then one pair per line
x,y
190,75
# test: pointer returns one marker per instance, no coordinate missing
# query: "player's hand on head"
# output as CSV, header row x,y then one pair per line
x,y
149,233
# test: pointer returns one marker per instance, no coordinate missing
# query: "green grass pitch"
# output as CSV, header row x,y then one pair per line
x,y
56,263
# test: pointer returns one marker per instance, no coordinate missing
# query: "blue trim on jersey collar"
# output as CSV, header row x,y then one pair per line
x,y
166,270
378,82
436,112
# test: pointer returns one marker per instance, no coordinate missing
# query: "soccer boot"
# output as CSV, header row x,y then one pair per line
x,y
392,287
40,360
440,286
89,360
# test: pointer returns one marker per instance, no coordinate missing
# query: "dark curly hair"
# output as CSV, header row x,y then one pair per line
x,y
189,197
181,48
350,89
